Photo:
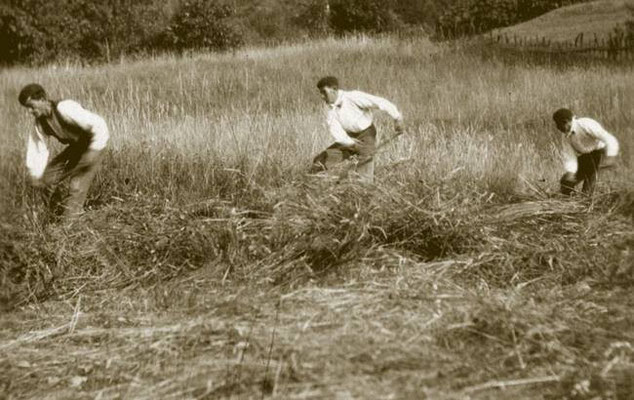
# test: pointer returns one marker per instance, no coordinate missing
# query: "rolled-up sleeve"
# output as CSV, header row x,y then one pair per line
x,y
74,113
365,100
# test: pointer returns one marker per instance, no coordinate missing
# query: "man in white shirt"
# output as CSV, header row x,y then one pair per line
x,y
349,120
86,135
587,146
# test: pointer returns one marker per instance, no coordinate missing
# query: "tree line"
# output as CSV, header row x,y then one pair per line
x,y
41,31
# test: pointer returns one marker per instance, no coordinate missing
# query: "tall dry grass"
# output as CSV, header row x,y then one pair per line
x,y
175,123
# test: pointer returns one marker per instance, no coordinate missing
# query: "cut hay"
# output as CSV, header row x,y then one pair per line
x,y
317,289
528,209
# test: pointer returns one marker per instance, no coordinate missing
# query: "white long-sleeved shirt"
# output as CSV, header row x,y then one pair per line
x,y
586,135
73,113
352,113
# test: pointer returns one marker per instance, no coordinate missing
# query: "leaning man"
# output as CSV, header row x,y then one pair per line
x,y
85,134
350,123
587,147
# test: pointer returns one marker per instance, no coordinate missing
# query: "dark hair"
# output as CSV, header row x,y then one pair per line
x,y
31,91
562,116
329,81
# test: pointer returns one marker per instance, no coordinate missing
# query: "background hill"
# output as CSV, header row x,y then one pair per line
x,y
595,18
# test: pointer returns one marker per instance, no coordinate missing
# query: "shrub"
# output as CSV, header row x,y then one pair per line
x,y
38,31
629,33
362,16
201,24
420,12
314,16
18,36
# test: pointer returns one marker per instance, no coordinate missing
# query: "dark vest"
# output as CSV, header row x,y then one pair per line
x,y
54,125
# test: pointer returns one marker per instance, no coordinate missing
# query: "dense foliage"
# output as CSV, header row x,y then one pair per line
x,y
362,15
40,31
341,16
200,24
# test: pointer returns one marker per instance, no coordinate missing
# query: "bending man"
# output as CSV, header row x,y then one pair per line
x,y
587,146
350,123
86,135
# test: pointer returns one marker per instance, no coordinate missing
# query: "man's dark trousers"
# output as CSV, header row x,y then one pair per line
x,y
587,171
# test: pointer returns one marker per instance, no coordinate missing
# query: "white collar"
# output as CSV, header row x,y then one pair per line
x,y
339,99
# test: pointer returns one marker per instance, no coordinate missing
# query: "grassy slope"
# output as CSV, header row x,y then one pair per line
x,y
210,266
564,24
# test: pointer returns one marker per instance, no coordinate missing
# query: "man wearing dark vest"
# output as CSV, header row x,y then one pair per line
x,y
86,135
350,123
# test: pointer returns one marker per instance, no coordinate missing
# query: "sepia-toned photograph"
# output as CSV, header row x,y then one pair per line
x,y
317,199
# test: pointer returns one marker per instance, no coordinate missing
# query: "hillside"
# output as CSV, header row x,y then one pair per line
x,y
564,24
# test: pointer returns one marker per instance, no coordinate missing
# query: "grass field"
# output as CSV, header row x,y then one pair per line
x,y
210,266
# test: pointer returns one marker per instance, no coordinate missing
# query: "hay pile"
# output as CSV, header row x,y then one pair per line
x,y
310,229
290,290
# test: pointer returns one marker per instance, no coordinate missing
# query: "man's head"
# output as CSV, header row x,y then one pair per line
x,y
563,119
33,96
328,88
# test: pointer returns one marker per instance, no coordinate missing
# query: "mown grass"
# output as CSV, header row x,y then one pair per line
x,y
210,266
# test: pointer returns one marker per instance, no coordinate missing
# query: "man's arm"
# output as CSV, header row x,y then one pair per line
x,y
611,143
36,154
74,113
338,133
569,157
368,101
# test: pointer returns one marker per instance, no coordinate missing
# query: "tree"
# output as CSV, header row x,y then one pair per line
x,y
202,24
362,16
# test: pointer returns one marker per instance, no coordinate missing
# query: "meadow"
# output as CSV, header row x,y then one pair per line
x,y
209,265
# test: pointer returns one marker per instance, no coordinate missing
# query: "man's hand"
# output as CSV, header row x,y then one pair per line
x,y
608,162
352,147
569,177
37,183
90,157
398,126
